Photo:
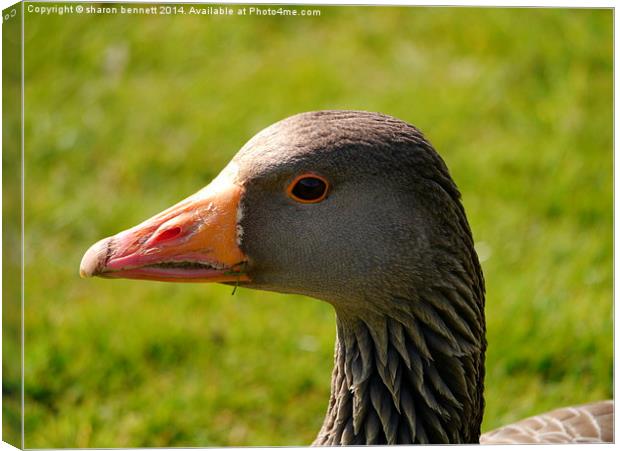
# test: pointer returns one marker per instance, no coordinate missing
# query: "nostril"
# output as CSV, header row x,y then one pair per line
x,y
167,234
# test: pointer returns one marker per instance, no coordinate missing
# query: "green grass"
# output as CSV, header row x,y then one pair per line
x,y
126,115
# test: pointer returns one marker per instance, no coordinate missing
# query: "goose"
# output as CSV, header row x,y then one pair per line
x,y
356,209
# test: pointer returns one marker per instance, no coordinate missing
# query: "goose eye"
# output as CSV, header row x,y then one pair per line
x,y
308,189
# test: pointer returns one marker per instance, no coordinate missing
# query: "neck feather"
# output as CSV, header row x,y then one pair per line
x,y
413,375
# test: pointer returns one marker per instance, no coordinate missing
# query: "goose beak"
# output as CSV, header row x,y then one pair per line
x,y
195,240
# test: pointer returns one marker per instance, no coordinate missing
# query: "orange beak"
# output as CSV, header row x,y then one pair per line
x,y
196,240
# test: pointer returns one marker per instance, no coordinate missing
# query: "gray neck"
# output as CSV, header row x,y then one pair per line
x,y
413,375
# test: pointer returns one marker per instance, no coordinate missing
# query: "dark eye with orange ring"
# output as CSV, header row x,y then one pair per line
x,y
308,189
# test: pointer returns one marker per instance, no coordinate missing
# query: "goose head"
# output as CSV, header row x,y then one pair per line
x,y
338,205
356,209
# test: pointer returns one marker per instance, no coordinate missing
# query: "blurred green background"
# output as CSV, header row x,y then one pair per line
x,y
126,115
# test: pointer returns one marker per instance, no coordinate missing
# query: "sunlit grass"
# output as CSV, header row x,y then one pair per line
x,y
127,115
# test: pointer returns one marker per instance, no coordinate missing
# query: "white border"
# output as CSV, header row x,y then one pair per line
x,y
479,3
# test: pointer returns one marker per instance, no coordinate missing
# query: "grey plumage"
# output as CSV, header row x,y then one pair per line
x,y
393,392
409,361
588,423
391,249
